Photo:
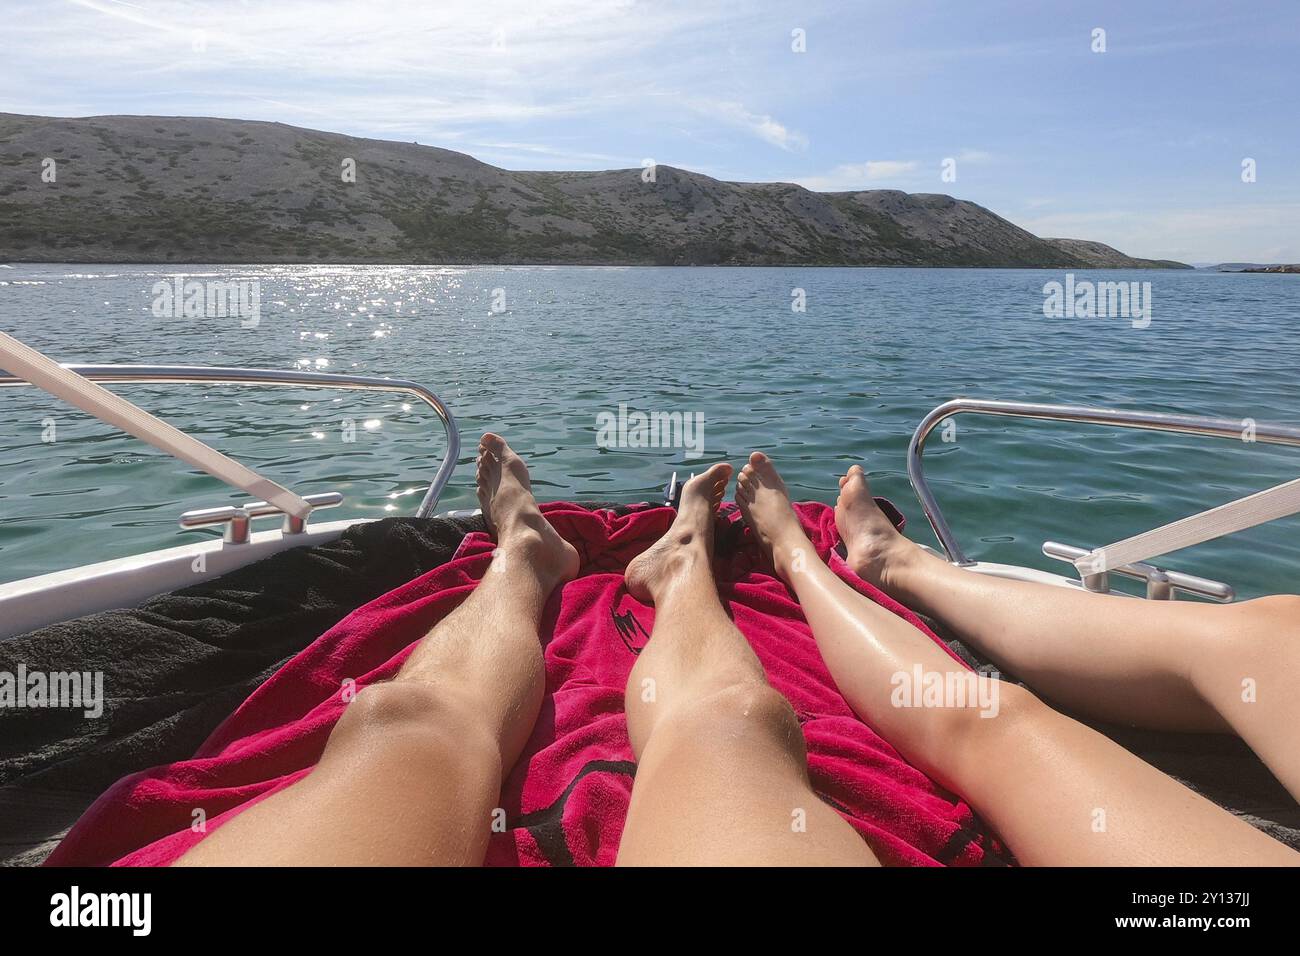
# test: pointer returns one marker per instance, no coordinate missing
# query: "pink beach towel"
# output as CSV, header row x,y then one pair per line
x,y
567,797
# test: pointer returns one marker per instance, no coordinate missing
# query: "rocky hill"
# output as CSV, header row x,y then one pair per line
x,y
175,189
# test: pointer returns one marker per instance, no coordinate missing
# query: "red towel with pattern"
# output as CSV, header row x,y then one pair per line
x,y
567,797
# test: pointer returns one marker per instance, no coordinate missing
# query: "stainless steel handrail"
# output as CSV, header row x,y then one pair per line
x,y
1153,421
192,374
237,520
1161,582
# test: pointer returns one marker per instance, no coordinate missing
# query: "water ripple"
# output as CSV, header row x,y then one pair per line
x,y
846,381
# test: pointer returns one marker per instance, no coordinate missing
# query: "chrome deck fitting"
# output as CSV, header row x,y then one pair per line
x,y
1162,583
238,519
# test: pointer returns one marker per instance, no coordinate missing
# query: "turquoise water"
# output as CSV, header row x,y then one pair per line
x,y
847,380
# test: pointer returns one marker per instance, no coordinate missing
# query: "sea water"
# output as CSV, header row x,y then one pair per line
x,y
818,367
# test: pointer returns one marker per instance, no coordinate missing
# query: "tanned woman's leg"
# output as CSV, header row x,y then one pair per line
x,y
1166,665
1058,792
722,774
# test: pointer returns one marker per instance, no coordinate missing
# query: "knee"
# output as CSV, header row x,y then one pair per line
x,y
1007,713
960,740
1260,631
427,723
1257,640
1017,706
749,710
394,705
1274,614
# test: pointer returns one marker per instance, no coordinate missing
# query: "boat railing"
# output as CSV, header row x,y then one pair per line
x,y
236,518
1161,582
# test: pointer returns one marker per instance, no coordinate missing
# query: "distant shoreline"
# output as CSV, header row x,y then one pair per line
x,y
596,265
187,190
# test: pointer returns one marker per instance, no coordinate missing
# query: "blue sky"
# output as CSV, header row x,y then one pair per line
x,y
1140,146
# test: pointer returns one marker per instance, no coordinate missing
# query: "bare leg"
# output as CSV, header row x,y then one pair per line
x,y
412,771
1058,792
722,775
1163,664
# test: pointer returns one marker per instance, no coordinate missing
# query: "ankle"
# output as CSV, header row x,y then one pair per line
x,y
521,540
792,554
541,551
891,565
681,563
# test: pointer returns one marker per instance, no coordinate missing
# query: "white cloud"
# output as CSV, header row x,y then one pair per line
x,y
761,125
544,149
445,71
868,175
576,84
891,173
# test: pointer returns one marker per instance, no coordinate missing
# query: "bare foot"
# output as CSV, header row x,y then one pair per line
x,y
513,518
765,504
874,545
688,542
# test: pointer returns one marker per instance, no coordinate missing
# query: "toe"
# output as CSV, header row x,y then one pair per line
x,y
713,477
765,470
490,447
